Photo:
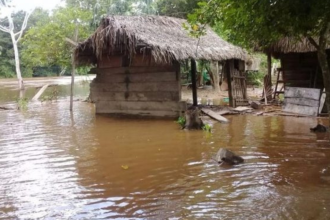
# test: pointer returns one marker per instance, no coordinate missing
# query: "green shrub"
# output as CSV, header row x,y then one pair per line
x,y
207,128
181,121
255,78
22,103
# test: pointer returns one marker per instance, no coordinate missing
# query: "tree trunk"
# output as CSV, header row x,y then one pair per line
x,y
215,75
17,64
72,83
323,61
269,67
324,64
73,69
193,120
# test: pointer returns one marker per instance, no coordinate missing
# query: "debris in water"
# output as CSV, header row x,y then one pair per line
x,y
125,167
226,156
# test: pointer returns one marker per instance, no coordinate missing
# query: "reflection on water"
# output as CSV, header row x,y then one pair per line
x,y
54,165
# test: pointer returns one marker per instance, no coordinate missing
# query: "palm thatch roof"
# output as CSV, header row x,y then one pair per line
x,y
291,45
164,37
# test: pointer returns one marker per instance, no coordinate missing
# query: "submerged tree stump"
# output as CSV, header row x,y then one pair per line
x,y
193,120
226,156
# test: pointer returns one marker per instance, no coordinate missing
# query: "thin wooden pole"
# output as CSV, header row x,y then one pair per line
x,y
229,72
73,70
193,82
269,67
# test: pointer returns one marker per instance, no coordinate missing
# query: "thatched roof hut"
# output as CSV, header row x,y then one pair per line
x,y
137,61
164,37
299,63
291,45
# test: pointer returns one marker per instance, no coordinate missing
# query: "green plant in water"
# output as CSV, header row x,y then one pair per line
x,y
207,128
181,121
22,103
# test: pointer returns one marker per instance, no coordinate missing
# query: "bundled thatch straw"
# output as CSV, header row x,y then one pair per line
x,y
164,37
291,45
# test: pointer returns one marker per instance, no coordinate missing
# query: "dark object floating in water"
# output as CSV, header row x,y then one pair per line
x,y
320,128
226,156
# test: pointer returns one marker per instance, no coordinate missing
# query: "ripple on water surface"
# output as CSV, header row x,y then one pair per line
x,y
60,166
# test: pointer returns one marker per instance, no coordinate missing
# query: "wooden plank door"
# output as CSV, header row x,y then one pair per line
x,y
237,87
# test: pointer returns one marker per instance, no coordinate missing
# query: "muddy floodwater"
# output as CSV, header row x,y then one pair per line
x,y
57,165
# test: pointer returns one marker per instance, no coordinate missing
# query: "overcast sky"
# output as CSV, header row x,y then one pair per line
x,y
30,4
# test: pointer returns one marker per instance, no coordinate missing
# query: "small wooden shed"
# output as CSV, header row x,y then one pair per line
x,y
137,61
300,74
299,62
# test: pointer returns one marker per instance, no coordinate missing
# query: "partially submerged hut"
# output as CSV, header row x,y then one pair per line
x,y
299,62
300,75
137,61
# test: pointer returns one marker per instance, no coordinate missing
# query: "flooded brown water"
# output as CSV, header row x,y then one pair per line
x,y
57,165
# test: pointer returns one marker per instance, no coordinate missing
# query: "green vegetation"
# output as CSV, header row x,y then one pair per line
x,y
45,44
176,8
44,50
256,78
251,24
22,103
207,128
258,24
181,121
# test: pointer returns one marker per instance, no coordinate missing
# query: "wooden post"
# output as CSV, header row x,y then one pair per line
x,y
193,82
269,67
73,69
229,68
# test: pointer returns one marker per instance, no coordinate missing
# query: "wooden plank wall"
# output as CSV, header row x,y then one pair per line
x,y
137,90
305,101
301,70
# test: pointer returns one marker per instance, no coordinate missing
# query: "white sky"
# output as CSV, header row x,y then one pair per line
x,y
27,5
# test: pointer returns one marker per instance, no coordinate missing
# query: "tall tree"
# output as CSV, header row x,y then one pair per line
x,y
44,44
176,8
7,10
261,23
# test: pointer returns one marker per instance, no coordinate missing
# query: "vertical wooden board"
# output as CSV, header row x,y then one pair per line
x,y
241,65
296,92
299,109
302,102
229,69
322,102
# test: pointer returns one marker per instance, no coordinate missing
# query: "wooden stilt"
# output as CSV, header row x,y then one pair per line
x,y
229,68
193,82
269,67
